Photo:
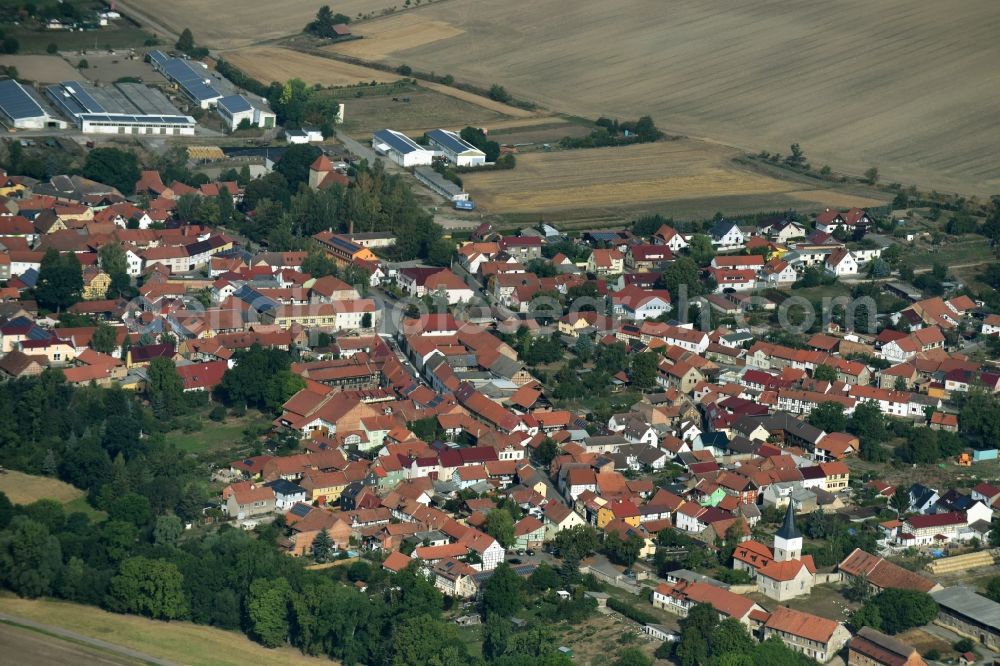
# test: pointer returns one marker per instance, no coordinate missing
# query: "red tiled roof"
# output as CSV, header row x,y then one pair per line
x,y
804,625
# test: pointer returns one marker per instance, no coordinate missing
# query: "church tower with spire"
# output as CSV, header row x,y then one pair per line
x,y
788,540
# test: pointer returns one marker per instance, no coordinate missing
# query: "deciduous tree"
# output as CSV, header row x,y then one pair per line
x,y
502,592
60,280
149,587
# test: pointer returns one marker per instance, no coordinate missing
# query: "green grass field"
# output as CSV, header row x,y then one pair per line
x,y
23,488
37,41
971,249
215,436
179,642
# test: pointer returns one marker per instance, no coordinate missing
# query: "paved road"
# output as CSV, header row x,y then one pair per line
x,y
366,153
950,637
85,640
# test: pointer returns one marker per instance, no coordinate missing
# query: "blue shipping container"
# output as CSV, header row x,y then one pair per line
x,y
465,205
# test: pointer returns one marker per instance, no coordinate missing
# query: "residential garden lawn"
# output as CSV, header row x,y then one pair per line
x,y
180,642
215,436
473,639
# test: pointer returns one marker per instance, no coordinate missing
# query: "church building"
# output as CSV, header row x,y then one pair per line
x,y
781,572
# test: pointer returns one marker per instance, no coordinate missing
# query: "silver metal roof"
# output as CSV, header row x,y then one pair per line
x,y
962,600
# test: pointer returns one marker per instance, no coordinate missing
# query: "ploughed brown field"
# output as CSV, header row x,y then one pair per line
x,y
909,86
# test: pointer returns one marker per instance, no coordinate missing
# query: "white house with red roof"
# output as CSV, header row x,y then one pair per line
x,y
935,528
667,235
640,304
751,262
841,262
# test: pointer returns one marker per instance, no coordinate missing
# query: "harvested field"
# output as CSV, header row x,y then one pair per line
x,y
271,63
608,178
479,100
227,24
426,109
912,91
30,648
397,32
42,68
178,642
21,488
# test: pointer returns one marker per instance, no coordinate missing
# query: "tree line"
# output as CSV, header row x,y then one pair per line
x,y
611,132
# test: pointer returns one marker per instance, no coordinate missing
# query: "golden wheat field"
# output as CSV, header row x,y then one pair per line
x,y
655,173
227,24
272,63
909,86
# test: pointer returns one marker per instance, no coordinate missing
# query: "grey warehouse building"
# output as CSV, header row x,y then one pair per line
x,y
970,614
124,108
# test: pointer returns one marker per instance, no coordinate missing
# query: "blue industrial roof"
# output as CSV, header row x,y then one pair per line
x,y
159,57
398,141
199,91
74,95
186,76
17,103
451,141
235,104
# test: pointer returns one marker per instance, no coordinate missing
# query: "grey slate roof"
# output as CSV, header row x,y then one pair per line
x,y
963,601
788,529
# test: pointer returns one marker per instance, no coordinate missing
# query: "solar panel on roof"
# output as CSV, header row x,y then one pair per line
x,y
235,104
16,103
450,140
399,142
83,97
